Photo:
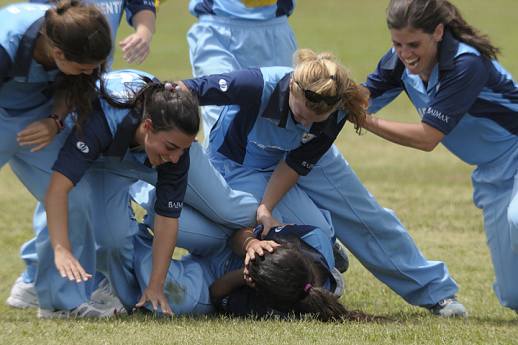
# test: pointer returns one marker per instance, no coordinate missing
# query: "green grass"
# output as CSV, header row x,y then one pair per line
x,y
431,193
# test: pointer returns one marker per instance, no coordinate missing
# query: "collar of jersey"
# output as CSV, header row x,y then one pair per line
x,y
25,50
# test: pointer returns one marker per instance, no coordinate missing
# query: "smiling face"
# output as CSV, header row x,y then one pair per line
x,y
165,146
417,49
301,113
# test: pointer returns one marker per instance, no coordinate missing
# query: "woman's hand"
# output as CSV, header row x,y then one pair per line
x,y
68,266
39,133
255,247
155,295
135,47
264,217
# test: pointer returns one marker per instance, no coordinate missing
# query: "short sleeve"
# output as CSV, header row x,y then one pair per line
x,y
235,88
83,146
135,6
457,91
384,84
171,186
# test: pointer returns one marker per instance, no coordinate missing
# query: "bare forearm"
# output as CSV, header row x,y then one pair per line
x,y
164,243
240,239
281,181
223,286
416,135
144,22
56,205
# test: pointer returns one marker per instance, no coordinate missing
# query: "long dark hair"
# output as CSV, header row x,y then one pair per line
x,y
427,14
167,105
83,34
288,281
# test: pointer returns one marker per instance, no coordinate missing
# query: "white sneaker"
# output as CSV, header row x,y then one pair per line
x,y
85,310
105,296
23,295
449,307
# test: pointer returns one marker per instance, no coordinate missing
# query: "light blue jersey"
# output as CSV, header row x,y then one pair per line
x,y
257,129
242,9
236,34
24,83
471,99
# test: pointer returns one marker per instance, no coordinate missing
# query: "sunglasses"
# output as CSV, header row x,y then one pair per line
x,y
315,97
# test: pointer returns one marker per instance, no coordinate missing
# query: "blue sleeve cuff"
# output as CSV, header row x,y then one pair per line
x,y
134,7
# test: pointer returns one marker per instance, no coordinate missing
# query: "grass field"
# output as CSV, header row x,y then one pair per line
x,y
431,193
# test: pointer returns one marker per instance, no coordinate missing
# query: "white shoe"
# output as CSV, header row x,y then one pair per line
x,y
449,307
105,296
23,295
85,310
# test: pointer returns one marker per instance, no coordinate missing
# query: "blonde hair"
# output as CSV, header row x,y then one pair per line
x,y
324,75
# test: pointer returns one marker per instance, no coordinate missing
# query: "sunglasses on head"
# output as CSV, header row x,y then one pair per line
x,y
315,97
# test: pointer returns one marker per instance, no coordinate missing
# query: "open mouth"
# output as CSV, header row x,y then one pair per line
x,y
412,63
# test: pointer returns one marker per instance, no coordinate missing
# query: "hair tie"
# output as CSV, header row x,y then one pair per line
x,y
171,86
308,287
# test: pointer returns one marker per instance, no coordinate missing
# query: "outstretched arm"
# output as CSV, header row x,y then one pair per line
x,y
420,136
282,180
164,242
135,47
56,205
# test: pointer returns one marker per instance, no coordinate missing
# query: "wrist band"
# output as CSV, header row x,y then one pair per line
x,y
58,121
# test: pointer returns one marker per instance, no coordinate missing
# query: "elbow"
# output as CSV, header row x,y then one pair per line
x,y
427,146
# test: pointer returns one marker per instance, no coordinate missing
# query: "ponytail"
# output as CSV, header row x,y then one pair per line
x,y
323,75
164,103
466,33
289,281
427,14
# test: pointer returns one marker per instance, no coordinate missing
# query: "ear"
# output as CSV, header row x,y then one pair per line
x,y
58,54
438,33
148,125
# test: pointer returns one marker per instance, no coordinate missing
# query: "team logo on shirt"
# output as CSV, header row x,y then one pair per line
x,y
306,137
175,204
81,146
279,228
434,113
223,86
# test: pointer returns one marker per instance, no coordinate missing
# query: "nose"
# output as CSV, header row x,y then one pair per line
x,y
88,71
405,52
174,157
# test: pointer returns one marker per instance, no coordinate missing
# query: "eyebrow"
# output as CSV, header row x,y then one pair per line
x,y
172,145
407,43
